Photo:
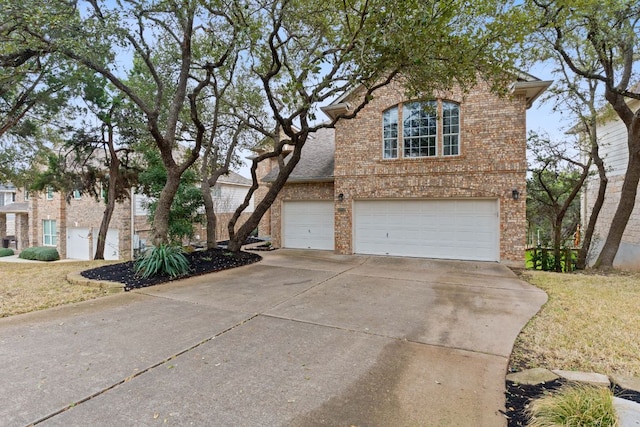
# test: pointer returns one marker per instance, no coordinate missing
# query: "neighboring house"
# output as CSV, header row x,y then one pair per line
x,y
612,137
437,178
228,193
7,214
47,218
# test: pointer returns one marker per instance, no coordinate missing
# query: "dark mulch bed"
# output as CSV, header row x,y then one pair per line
x,y
201,262
519,396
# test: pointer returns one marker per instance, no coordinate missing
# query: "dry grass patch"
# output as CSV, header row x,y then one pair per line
x,y
26,287
590,323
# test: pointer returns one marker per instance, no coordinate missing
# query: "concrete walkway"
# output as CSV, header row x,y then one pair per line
x,y
303,338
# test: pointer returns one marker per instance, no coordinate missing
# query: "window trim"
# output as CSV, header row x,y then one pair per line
x,y
52,235
440,135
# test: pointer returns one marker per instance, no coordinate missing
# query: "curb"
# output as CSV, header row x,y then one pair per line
x,y
108,286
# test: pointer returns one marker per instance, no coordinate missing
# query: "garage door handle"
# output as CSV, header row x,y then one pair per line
x,y
387,235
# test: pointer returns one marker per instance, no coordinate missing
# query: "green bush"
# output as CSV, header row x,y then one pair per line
x,y
574,406
38,253
162,260
6,252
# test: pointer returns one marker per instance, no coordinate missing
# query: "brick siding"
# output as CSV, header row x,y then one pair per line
x,y
492,162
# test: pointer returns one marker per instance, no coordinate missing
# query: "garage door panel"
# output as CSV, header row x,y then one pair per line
x,y
308,225
452,229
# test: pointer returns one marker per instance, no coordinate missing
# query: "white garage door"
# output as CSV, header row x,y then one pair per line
x,y
449,229
78,244
308,225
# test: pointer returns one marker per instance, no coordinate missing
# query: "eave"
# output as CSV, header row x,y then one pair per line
x,y
531,90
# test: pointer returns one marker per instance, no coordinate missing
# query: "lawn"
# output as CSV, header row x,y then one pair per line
x,y
26,287
590,323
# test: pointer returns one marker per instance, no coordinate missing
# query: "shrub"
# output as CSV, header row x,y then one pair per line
x,y
28,253
6,252
38,253
162,260
574,406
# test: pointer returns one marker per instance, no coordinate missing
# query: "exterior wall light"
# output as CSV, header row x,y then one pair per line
x,y
515,194
340,197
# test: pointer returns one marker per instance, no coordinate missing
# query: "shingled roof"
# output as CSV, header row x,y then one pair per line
x,y
316,161
234,178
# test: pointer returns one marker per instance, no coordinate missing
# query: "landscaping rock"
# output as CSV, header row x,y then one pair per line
x,y
584,377
627,383
628,412
532,376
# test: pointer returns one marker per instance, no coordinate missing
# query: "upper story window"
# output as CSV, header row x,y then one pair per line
x,y
49,193
77,195
423,133
26,194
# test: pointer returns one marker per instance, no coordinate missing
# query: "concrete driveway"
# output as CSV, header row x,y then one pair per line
x,y
303,338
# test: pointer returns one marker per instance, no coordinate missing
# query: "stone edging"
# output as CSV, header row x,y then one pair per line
x,y
108,286
628,412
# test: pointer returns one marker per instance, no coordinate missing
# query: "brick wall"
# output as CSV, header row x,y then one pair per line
x,y
492,162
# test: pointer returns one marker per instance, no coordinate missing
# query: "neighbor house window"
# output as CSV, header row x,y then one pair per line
x,y
49,193
428,129
76,194
26,194
49,237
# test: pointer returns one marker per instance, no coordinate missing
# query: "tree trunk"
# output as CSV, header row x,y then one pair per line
x,y
581,262
625,206
237,238
160,226
210,215
104,225
114,170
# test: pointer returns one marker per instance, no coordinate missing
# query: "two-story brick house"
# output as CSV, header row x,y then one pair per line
x,y
442,177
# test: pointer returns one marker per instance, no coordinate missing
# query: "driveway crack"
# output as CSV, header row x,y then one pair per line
x,y
142,372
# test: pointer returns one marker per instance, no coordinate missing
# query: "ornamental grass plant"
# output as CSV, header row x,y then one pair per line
x,y
168,260
575,405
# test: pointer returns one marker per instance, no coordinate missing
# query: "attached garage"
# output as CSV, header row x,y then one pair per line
x,y
82,245
308,225
449,229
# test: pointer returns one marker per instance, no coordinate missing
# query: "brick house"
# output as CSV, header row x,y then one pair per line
x,y
71,226
47,219
7,215
437,178
612,137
